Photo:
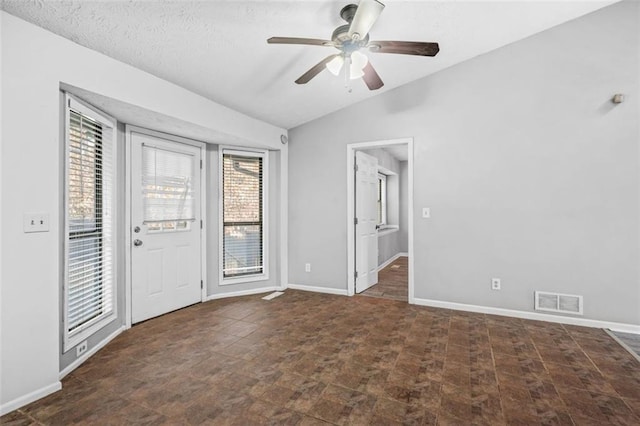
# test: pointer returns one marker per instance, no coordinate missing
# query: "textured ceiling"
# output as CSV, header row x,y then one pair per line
x,y
218,48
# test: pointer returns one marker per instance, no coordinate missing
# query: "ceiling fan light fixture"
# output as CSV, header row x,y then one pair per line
x,y
358,62
335,65
356,73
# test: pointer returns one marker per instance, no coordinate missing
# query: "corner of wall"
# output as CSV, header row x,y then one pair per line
x,y
29,398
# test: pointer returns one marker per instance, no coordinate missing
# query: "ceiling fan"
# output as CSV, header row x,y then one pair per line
x,y
349,39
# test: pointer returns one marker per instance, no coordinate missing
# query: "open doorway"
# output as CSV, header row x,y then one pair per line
x,y
380,220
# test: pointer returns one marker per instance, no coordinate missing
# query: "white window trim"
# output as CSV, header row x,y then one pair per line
x,y
264,154
387,229
71,339
383,200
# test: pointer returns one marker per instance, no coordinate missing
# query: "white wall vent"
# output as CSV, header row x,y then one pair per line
x,y
556,302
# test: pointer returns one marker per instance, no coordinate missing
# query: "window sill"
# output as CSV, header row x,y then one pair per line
x,y
84,332
245,279
387,229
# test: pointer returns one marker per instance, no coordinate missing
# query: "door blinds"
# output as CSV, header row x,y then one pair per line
x,y
90,224
243,215
167,186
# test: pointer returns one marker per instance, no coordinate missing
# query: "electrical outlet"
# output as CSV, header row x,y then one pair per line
x,y
495,283
81,348
307,267
426,212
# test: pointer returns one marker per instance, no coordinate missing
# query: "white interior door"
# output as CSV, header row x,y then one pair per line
x,y
367,220
166,227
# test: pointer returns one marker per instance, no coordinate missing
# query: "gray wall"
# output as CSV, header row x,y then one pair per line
x,y
403,236
531,173
387,246
212,213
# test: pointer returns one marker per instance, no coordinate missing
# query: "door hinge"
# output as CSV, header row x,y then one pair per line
x,y
355,220
355,167
200,164
201,226
201,284
355,275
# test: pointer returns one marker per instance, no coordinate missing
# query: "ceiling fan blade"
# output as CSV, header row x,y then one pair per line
x,y
371,77
366,15
298,40
404,47
315,70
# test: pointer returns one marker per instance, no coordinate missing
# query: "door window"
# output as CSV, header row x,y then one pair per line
x,y
167,190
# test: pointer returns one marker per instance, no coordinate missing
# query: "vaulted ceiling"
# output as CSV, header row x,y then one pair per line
x,y
218,49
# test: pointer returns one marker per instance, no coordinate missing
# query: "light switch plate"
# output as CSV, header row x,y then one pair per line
x,y
35,222
426,212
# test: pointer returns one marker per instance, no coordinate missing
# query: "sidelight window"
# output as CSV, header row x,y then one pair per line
x,y
243,215
89,290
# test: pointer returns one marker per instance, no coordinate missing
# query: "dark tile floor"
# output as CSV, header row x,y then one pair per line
x,y
392,281
312,359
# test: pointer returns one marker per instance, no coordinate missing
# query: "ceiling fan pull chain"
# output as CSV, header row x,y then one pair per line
x,y
347,70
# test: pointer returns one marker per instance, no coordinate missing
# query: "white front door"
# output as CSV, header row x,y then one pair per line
x,y
165,225
367,220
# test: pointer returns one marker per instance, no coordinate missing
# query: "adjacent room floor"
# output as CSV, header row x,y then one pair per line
x,y
632,341
393,281
311,359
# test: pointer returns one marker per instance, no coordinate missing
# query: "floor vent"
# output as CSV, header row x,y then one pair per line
x,y
556,302
273,295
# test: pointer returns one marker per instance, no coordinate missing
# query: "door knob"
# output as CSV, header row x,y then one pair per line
x,y
136,229
137,243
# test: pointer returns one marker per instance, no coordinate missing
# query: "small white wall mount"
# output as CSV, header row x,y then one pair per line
x,y
618,98
495,284
35,222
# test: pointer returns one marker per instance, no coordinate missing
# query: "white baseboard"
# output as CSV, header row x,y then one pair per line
x,y
616,326
623,328
242,293
391,260
29,398
75,364
338,291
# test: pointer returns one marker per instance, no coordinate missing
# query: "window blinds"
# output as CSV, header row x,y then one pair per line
x,y
167,185
243,215
90,227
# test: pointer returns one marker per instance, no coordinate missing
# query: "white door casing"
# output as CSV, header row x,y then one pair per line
x,y
366,187
165,256
351,149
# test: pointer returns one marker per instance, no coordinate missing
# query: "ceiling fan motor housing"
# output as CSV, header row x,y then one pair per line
x,y
343,42
348,12
341,36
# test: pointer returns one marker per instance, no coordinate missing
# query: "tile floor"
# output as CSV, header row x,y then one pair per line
x,y
392,281
313,359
